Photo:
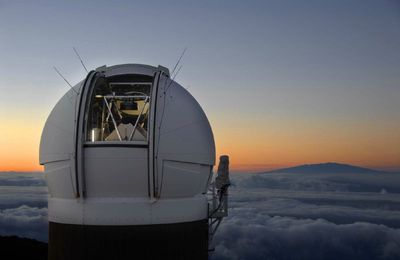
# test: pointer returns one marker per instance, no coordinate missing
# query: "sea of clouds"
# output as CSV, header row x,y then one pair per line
x,y
271,216
311,216
23,205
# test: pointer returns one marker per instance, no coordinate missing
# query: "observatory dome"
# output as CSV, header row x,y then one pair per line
x,y
127,146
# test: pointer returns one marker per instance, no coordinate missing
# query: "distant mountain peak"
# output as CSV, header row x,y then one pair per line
x,y
328,167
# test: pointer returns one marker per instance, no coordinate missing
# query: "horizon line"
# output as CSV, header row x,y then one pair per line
x,y
255,167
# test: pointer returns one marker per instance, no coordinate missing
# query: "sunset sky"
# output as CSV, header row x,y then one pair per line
x,y
282,82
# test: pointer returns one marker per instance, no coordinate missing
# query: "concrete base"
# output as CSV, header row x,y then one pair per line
x,y
163,241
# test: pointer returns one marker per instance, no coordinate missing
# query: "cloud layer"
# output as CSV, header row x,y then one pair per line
x,y
23,205
24,221
308,216
342,182
249,234
22,179
274,216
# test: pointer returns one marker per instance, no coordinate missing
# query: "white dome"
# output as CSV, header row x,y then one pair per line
x,y
132,147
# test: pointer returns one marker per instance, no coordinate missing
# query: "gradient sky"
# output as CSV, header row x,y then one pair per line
x,y
282,82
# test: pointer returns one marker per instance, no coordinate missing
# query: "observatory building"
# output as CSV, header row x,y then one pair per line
x,y
128,155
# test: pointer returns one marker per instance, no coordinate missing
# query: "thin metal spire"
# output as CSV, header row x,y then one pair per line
x,y
179,60
79,57
59,73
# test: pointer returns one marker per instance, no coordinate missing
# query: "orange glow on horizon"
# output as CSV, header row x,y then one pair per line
x,y
252,149
19,151
266,148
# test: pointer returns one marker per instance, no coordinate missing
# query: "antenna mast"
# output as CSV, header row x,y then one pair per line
x,y
179,60
80,59
176,66
59,73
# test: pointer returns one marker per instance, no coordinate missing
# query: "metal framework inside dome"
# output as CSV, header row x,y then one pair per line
x,y
123,114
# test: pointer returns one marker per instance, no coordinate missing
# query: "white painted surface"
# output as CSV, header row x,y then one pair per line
x,y
127,211
183,134
59,179
130,69
117,179
57,138
180,179
116,172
